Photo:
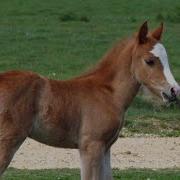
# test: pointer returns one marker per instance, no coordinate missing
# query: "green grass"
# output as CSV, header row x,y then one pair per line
x,y
73,174
62,38
145,118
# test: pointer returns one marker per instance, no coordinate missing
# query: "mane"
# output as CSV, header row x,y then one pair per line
x,y
108,60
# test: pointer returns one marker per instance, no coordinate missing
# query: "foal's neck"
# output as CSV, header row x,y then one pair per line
x,y
124,82
115,70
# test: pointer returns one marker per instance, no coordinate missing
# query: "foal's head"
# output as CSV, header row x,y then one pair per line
x,y
150,64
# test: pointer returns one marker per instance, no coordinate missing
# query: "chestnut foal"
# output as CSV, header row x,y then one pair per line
x,y
86,112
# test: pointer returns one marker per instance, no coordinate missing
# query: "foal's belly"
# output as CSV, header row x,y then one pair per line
x,y
54,135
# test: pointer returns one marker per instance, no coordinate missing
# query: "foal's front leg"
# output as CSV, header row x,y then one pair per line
x,y
107,166
92,161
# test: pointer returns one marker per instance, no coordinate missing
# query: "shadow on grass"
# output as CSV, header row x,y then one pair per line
x,y
70,16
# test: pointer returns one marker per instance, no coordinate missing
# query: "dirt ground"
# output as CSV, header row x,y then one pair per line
x,y
126,153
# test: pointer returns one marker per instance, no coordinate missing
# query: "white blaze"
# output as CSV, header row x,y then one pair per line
x,y
160,52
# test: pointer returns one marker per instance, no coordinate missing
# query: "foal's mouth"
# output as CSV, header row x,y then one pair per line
x,y
168,98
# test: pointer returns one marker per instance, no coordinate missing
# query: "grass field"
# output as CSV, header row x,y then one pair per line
x,y
73,174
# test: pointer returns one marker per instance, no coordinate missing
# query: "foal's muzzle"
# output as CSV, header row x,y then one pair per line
x,y
172,94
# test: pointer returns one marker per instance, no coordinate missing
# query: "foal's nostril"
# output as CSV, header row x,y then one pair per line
x,y
173,92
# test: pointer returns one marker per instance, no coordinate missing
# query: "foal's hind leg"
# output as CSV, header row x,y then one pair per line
x,y
10,141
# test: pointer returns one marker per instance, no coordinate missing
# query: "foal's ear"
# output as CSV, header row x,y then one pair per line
x,y
142,34
157,33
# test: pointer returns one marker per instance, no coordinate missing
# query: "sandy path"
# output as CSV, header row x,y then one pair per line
x,y
126,153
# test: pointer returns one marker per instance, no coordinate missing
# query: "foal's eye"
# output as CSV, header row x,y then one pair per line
x,y
150,62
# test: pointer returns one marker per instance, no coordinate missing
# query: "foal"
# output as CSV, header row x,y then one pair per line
x,y
86,112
